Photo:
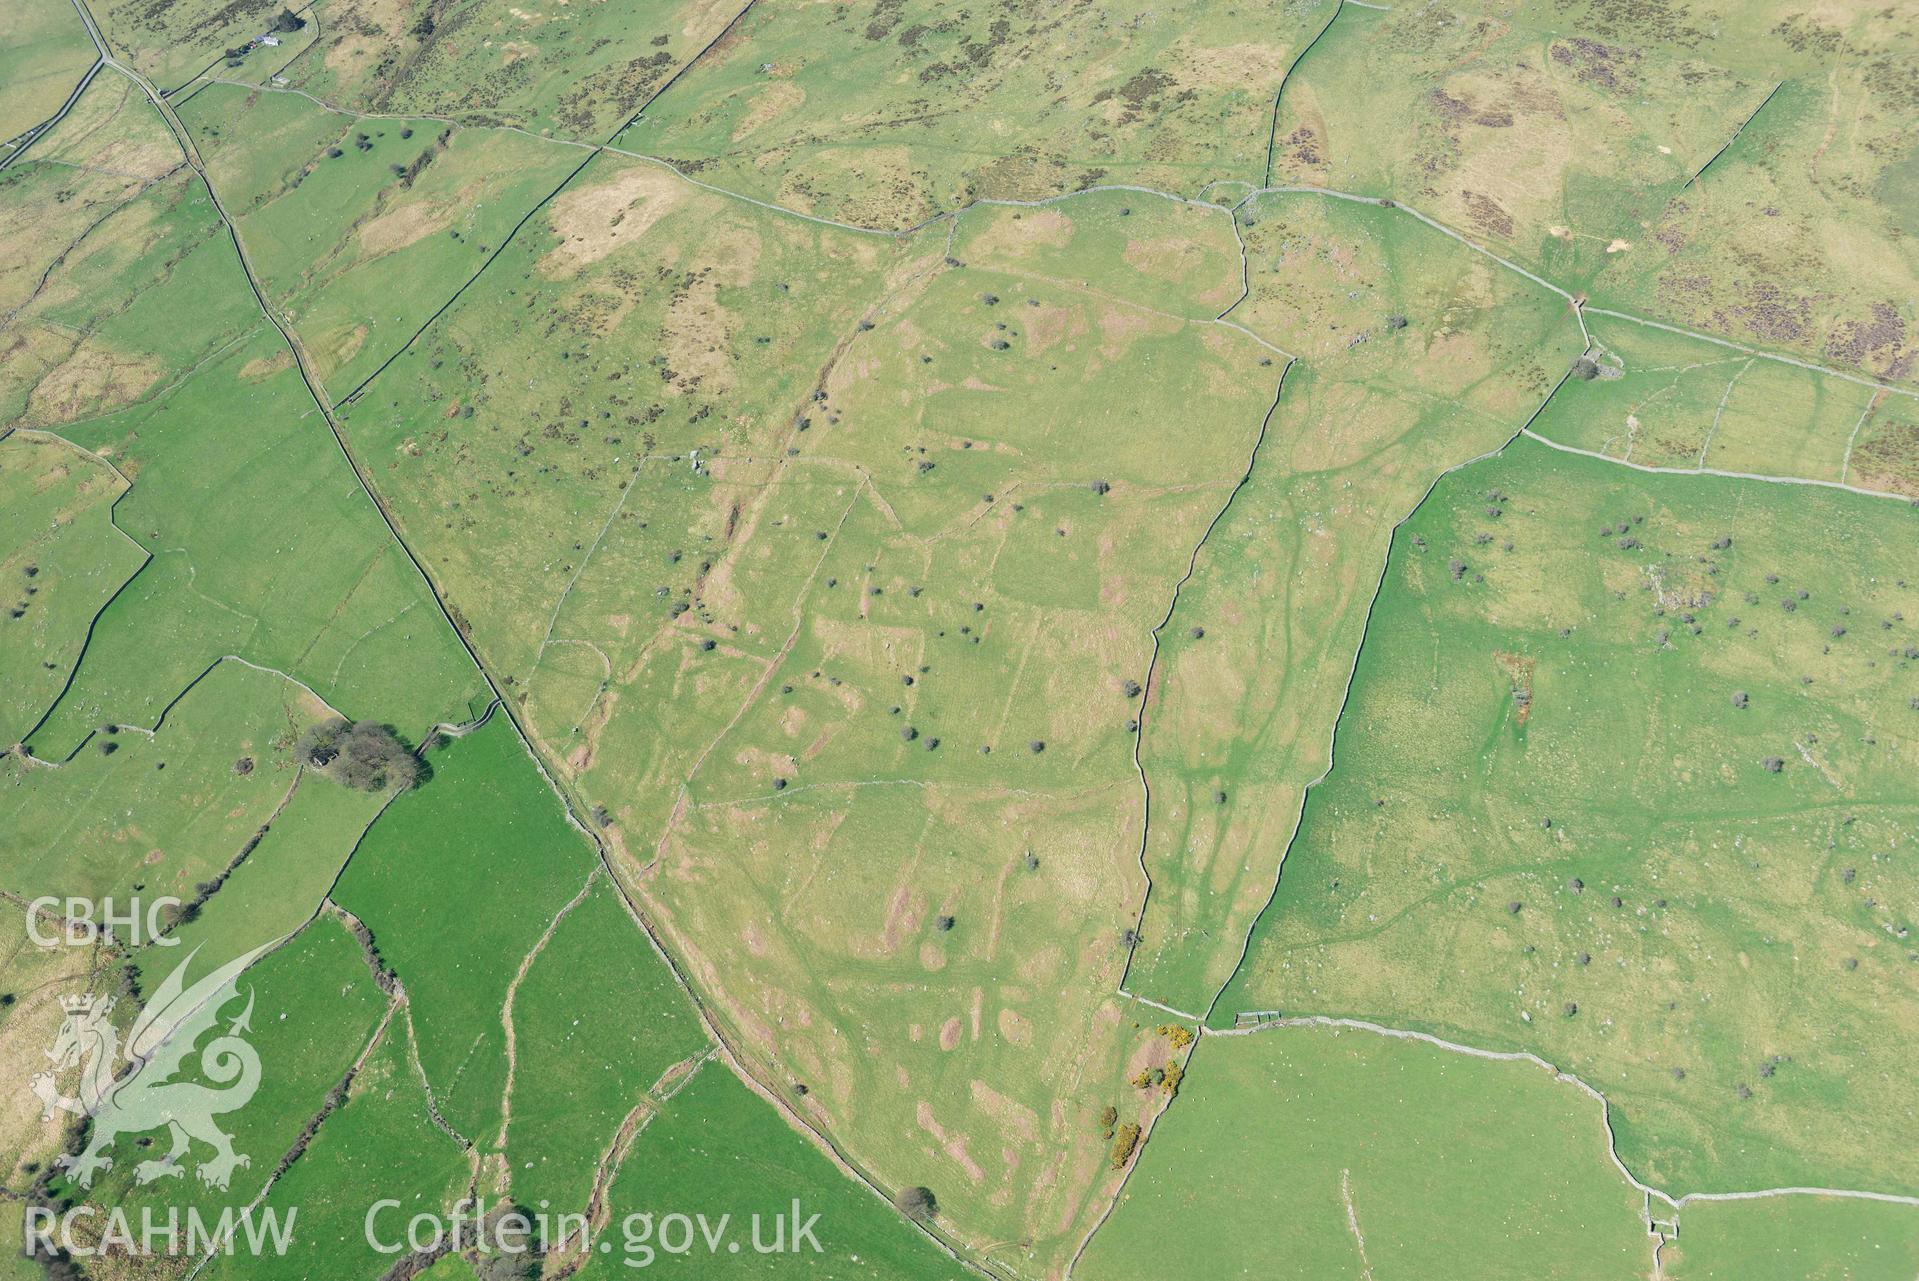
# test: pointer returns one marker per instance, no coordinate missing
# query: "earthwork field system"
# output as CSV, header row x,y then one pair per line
x,y
896,640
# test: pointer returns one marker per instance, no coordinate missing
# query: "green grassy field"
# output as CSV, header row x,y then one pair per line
x,y
1621,781
1799,1238
1314,1153
14,1265
1540,130
1827,268
379,1144
112,132
329,599
100,158
156,813
635,320
979,463
98,313
453,1267
284,877
45,54
315,1008
170,43
571,71
61,560
487,824
575,71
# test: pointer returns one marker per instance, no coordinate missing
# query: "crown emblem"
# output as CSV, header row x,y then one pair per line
x,y
81,1004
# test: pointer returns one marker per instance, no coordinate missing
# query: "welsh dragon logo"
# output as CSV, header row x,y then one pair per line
x,y
136,1092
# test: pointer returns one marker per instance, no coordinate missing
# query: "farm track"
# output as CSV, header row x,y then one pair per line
x,y
724,1046
1714,471
512,995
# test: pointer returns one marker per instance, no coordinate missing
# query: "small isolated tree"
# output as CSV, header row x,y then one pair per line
x,y
917,1203
364,755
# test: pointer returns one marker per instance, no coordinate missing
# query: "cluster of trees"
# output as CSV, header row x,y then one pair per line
x,y
361,754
